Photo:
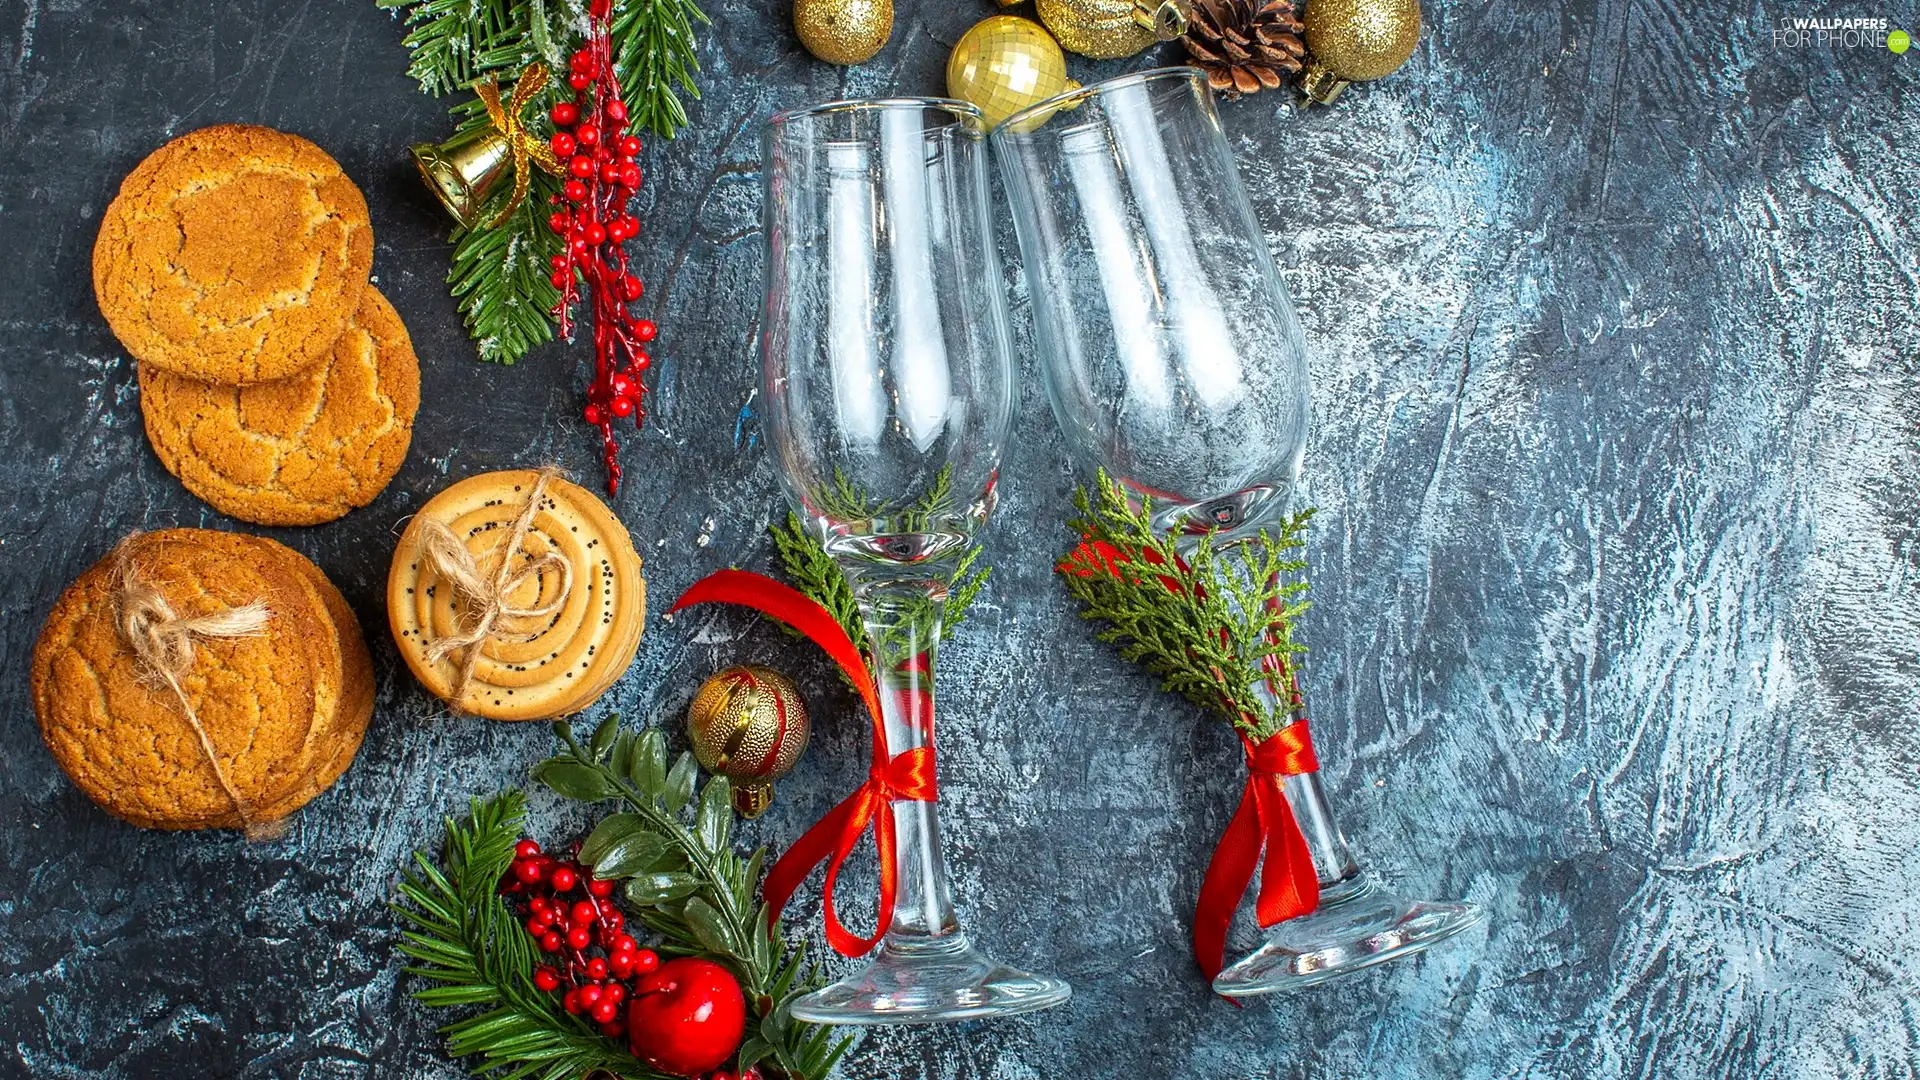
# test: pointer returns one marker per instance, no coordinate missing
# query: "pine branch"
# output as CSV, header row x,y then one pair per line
x,y
653,53
455,42
501,276
463,937
687,882
1214,626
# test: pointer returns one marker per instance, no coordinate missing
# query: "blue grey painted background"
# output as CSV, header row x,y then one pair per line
x,y
1616,413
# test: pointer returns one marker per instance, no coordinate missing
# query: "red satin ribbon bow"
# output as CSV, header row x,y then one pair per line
x,y
908,776
1289,885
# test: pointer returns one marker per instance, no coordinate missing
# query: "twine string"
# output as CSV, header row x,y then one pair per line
x,y
484,598
163,643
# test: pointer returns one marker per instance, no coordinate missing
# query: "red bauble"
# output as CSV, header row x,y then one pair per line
x,y
687,1018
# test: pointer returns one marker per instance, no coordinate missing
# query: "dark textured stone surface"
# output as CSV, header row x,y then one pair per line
x,y
1613,308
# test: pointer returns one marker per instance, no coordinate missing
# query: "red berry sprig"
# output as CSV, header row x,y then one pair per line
x,y
594,963
591,140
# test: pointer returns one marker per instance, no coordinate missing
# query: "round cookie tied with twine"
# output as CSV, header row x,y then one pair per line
x,y
516,595
197,679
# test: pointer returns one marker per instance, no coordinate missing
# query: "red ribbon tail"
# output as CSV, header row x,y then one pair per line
x,y
1229,873
831,840
1289,884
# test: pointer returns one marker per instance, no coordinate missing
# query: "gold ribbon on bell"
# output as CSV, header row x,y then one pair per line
x,y
465,170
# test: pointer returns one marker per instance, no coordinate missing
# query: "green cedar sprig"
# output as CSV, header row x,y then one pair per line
x,y
462,936
688,885
1205,620
811,570
500,276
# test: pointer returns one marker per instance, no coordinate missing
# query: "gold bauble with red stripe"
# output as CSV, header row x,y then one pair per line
x,y
748,724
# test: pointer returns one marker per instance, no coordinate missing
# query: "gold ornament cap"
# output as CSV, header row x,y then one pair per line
x,y
465,171
1005,63
748,724
1109,29
1354,41
843,31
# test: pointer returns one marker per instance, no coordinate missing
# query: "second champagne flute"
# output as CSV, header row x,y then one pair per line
x,y
888,395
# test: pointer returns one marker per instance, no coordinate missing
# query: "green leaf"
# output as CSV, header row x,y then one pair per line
x,y
574,781
637,852
754,863
650,764
612,829
623,754
753,1050
709,927
679,786
715,816
651,890
603,736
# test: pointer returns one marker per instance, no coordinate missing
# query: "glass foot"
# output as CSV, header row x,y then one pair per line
x,y
930,981
1367,927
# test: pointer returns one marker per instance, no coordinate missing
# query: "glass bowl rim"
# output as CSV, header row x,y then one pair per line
x,y
1014,122
962,111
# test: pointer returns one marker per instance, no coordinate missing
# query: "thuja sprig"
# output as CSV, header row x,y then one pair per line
x,y
687,883
811,570
462,937
1212,623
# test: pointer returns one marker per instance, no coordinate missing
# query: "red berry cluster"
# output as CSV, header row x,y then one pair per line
x,y
592,142
572,916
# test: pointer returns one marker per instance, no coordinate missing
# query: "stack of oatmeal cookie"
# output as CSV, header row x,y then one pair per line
x,y
276,382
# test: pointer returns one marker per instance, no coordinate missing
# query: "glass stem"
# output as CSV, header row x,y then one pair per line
x,y
1333,861
903,630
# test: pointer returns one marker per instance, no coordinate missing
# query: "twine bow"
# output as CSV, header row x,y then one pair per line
x,y
485,598
521,143
907,776
162,642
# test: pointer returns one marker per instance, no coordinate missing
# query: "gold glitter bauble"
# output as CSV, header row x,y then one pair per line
x,y
843,31
1004,64
1109,29
749,725
1356,40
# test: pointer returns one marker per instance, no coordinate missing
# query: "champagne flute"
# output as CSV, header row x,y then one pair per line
x,y
1173,360
889,393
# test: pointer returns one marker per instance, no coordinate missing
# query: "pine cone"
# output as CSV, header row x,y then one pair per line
x,y
1245,46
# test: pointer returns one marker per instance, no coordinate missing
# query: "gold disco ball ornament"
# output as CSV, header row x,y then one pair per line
x,y
1356,40
748,724
1004,64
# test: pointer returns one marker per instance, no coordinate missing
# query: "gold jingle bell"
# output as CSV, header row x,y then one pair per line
x,y
748,724
465,171
1005,63
1109,29
1354,41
